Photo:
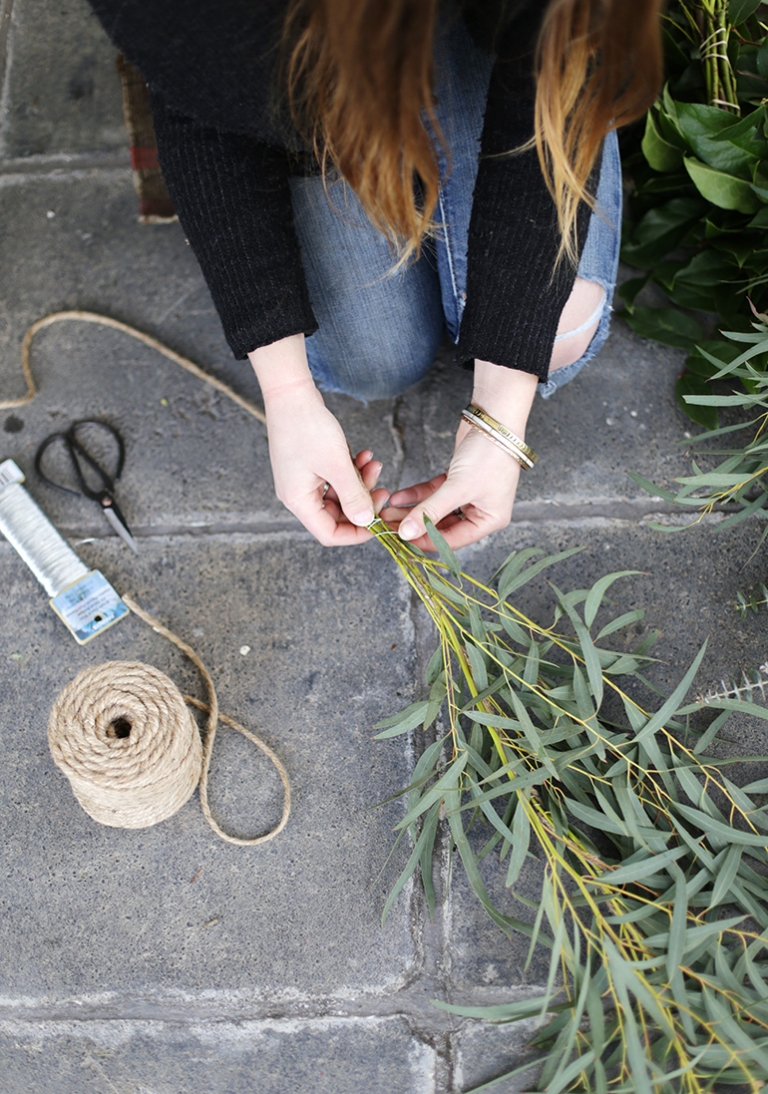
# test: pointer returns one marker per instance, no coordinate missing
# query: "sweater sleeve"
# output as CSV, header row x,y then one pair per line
x,y
515,292
232,195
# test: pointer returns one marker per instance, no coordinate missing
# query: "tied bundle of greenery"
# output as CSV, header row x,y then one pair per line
x,y
699,207
654,900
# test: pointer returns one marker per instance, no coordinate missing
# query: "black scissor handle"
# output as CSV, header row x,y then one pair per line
x,y
77,452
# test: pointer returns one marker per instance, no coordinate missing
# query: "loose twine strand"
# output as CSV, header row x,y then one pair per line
x,y
147,339
214,716
158,792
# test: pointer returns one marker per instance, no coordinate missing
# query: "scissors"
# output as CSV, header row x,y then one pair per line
x,y
84,462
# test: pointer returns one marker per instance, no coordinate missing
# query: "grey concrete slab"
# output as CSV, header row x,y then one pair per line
x,y
194,458
482,1053
326,1056
62,100
688,589
308,647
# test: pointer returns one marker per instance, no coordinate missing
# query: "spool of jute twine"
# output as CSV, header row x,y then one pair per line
x,y
123,735
146,769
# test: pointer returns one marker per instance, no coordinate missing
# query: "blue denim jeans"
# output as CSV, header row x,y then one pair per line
x,y
380,327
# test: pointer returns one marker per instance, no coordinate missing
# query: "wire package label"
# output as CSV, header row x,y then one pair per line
x,y
82,598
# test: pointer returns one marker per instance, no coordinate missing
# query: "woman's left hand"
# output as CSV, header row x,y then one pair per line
x,y
475,496
472,500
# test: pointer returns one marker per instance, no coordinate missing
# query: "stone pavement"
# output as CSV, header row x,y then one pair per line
x,y
163,961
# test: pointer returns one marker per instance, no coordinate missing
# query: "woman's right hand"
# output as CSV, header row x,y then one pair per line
x,y
315,476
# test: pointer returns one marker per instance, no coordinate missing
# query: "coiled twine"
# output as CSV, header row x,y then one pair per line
x,y
124,737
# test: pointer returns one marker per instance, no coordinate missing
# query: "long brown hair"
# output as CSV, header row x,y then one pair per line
x,y
598,67
359,76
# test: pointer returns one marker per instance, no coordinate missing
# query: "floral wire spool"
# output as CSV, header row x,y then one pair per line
x,y
124,737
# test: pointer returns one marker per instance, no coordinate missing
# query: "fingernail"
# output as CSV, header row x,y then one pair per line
x,y
409,529
362,520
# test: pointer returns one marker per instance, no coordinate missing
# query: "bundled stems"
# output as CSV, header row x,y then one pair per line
x,y
709,21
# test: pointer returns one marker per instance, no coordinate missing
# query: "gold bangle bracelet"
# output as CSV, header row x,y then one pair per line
x,y
502,437
475,415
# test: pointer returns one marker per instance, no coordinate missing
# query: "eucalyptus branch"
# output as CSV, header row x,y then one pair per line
x,y
626,818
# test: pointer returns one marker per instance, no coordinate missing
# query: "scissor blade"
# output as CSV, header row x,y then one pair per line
x,y
120,528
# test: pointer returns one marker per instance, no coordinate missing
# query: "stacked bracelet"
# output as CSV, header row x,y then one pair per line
x,y
500,435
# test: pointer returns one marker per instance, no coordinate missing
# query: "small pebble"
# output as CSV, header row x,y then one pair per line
x,y
244,650
50,214
633,413
610,421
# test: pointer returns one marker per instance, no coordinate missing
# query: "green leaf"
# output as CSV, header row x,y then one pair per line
x,y
666,325
728,868
670,707
691,385
660,230
725,191
624,620
646,867
711,826
508,585
651,487
437,792
477,663
426,839
762,58
628,290
740,10
676,946
661,155
406,720
453,811
444,551
707,270
699,124
521,832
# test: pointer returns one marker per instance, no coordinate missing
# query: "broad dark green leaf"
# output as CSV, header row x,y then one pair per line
x,y
666,325
725,191
628,290
740,10
699,124
706,270
660,154
661,230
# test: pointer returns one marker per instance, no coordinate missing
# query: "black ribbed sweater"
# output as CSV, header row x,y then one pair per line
x,y
223,142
